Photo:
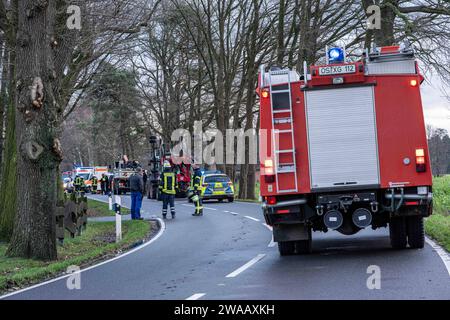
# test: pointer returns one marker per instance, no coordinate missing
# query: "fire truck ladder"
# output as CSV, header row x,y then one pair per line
x,y
283,168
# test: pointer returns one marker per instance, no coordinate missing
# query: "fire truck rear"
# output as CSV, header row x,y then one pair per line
x,y
345,150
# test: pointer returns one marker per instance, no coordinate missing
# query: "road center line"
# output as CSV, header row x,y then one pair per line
x,y
441,252
246,266
209,208
234,213
196,296
251,218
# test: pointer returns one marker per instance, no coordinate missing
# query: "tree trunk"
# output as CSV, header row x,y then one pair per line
x,y
8,184
385,35
37,131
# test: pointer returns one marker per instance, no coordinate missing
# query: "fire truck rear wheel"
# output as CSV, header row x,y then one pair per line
x,y
416,232
286,248
397,232
304,246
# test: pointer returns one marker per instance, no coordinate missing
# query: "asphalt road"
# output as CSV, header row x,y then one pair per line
x,y
228,254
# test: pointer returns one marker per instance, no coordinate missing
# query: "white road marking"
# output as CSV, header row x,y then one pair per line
x,y
187,205
226,211
234,213
441,252
267,226
271,243
246,266
196,296
160,232
209,208
251,218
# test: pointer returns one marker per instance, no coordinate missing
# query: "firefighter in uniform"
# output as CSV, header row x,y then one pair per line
x,y
196,180
104,183
78,183
167,186
94,185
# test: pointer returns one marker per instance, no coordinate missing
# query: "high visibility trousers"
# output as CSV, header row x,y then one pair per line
x,y
168,199
198,207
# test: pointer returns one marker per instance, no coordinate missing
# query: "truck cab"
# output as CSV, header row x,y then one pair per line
x,y
345,149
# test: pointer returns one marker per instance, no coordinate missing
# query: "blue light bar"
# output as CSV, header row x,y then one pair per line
x,y
336,55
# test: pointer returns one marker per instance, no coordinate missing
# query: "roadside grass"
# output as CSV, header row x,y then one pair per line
x,y
437,226
97,242
441,195
101,209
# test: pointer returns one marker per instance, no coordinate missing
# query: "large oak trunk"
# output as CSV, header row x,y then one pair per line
x,y
37,123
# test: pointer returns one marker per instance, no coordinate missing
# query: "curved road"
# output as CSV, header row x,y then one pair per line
x,y
228,254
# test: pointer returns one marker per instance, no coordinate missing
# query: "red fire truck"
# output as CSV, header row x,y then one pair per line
x,y
345,149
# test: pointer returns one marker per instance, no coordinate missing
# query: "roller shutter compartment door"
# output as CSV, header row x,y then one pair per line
x,y
342,137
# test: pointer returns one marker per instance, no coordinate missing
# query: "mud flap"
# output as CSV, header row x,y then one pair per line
x,y
290,232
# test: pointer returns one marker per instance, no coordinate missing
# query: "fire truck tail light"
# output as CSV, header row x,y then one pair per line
x,y
268,164
420,160
271,200
265,93
420,153
283,211
413,83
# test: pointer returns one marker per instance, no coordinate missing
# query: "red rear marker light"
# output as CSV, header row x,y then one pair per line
x,y
271,200
413,83
265,93
420,160
283,211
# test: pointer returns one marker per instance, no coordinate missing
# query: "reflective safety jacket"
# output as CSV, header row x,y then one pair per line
x,y
94,181
168,182
196,181
79,181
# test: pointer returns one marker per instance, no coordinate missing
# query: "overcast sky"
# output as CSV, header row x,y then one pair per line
x,y
436,107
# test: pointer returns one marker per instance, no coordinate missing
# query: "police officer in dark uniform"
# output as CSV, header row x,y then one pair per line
x,y
167,186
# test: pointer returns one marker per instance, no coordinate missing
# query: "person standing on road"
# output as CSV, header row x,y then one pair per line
x,y
78,183
104,183
137,189
197,177
167,186
94,185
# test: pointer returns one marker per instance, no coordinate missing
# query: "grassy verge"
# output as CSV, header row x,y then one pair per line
x,y
96,243
101,209
438,225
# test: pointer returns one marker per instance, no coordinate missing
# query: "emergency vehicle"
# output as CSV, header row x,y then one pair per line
x,y
181,166
215,185
345,149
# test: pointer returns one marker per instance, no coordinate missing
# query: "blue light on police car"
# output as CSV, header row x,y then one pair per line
x,y
335,55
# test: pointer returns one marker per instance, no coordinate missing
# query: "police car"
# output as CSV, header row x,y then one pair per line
x,y
216,185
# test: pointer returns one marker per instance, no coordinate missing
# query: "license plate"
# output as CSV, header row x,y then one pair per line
x,y
330,70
